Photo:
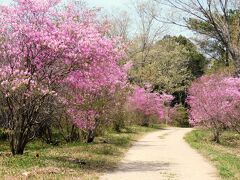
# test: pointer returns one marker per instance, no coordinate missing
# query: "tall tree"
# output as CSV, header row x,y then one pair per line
x,y
120,24
171,65
149,30
212,46
218,20
42,50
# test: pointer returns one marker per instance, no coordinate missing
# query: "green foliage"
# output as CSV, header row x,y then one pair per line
x,y
138,118
120,120
219,67
217,47
118,113
201,26
197,61
170,65
180,116
225,155
3,134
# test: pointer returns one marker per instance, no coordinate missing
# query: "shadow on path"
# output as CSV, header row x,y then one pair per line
x,y
143,166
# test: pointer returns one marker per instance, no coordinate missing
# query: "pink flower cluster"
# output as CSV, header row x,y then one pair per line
x,y
48,49
85,120
215,101
150,103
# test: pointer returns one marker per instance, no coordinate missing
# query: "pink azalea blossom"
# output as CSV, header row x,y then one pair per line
x,y
215,102
150,103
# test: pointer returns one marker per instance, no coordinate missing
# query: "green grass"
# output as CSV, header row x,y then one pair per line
x,y
225,156
69,161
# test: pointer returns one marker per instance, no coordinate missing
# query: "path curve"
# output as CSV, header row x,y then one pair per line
x,y
163,155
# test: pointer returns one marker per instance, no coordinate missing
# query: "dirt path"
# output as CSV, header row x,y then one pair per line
x,y
163,155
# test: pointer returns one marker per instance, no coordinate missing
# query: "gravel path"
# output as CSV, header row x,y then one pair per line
x,y
163,155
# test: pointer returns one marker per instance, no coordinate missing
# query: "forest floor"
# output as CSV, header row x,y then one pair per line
x,y
77,160
163,155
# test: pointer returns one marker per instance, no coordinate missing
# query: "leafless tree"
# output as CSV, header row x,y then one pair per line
x,y
120,23
140,28
218,15
149,29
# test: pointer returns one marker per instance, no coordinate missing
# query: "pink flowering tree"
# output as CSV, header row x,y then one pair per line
x,y
43,48
90,97
215,103
150,104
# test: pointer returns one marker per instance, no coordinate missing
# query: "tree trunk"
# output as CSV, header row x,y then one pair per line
x,y
74,134
145,121
90,136
227,58
92,132
118,124
216,136
236,59
17,143
48,135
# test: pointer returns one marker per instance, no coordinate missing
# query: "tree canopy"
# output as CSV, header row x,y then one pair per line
x,y
171,65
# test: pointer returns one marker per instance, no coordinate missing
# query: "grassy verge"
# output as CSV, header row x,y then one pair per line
x,y
225,156
69,161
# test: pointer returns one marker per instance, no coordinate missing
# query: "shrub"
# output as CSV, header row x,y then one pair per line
x,y
149,104
3,134
179,116
215,103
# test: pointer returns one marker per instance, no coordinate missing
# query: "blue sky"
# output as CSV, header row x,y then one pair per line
x,y
4,1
